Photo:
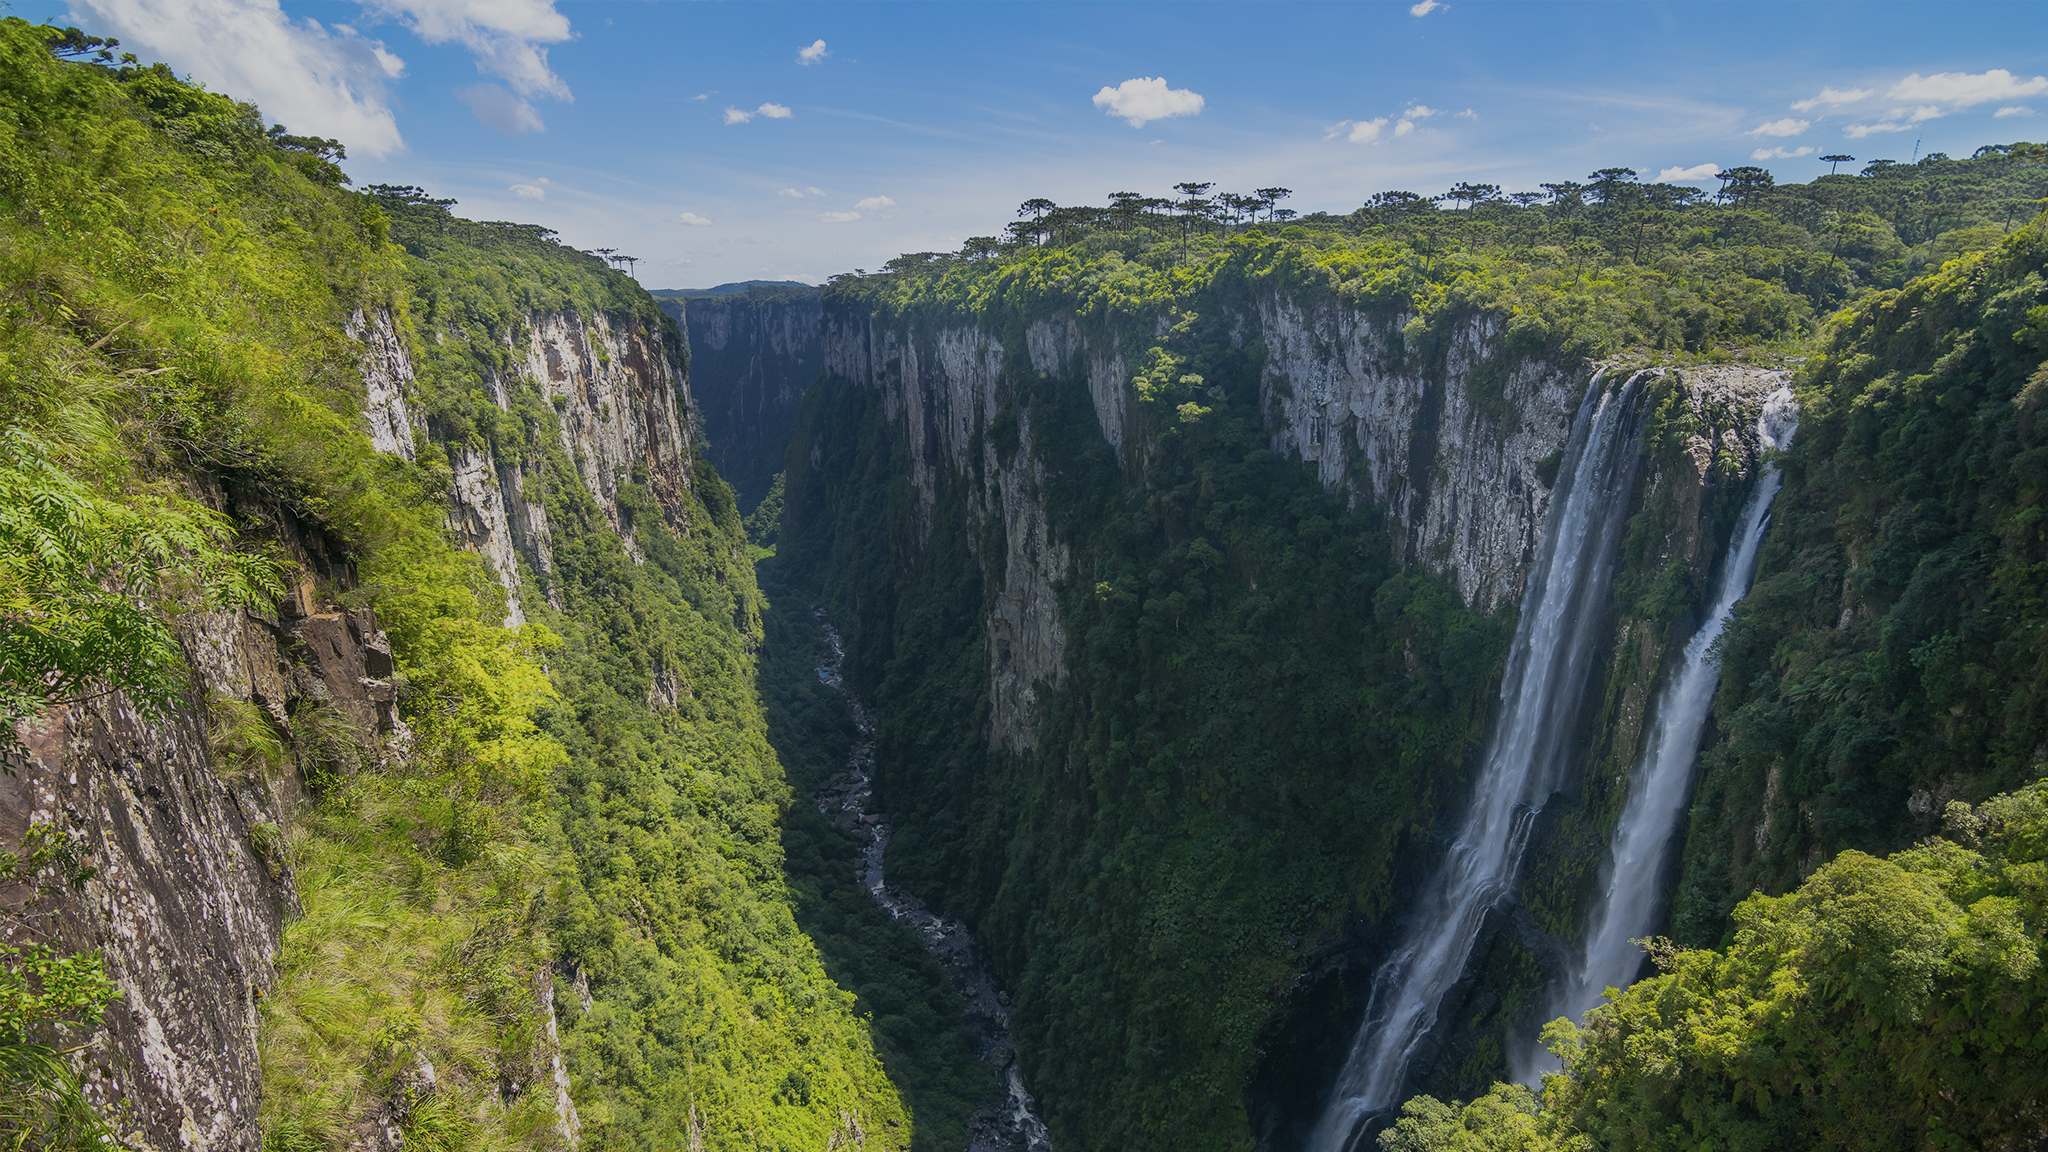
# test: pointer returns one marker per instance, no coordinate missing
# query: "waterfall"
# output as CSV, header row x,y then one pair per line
x,y
1539,701
1662,779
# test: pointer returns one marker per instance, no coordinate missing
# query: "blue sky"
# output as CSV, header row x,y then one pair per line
x,y
704,139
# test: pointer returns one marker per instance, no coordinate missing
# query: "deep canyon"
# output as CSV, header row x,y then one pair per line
x,y
1163,681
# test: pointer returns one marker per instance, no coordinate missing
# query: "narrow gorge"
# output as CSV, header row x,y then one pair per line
x,y
1537,672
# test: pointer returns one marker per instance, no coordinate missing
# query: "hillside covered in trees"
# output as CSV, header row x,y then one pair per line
x,y
389,542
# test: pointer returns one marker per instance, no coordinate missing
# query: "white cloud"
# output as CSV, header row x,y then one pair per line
x,y
1696,172
1786,127
838,217
1147,98
1926,112
531,189
318,81
812,53
1780,153
1421,112
1404,127
1834,97
1362,131
771,111
1425,8
505,36
694,220
1467,114
703,95
815,191
501,110
790,192
1859,131
1964,89
875,204
2015,110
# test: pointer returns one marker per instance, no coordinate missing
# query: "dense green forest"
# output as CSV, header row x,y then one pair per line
x,y
176,284
1265,717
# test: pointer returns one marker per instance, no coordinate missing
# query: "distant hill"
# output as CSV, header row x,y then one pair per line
x,y
732,289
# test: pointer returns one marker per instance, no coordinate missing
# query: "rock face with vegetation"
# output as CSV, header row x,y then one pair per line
x,y
1114,630
336,833
399,728
752,354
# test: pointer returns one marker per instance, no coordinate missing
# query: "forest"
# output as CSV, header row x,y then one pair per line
x,y
577,892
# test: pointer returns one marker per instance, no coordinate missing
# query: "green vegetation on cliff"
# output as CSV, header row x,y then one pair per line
x,y
175,282
1263,715
1891,1003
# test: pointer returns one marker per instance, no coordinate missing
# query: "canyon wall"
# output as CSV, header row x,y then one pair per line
x,y
752,354
1025,450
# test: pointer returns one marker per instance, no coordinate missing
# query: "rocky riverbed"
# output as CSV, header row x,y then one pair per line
x,y
848,798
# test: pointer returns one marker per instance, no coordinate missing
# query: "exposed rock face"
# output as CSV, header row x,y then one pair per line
x,y
1453,449
752,354
387,377
191,891
943,389
621,398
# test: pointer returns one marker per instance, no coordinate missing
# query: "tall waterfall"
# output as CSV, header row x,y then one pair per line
x,y
1662,779
1539,702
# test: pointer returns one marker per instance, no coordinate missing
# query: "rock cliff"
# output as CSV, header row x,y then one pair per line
x,y
192,885
621,410
752,354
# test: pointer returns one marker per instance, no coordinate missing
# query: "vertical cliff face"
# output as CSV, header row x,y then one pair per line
x,y
752,354
192,887
620,407
1460,445
1125,573
946,390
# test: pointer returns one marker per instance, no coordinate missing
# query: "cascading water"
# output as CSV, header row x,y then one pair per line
x,y
1662,779
1539,700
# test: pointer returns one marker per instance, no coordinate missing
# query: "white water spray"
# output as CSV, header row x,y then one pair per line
x,y
1658,788
1539,701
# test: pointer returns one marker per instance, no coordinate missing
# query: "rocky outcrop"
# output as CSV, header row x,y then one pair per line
x,y
191,888
752,354
1455,447
621,403
943,389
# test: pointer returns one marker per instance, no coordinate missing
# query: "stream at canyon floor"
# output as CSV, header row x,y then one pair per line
x,y
847,799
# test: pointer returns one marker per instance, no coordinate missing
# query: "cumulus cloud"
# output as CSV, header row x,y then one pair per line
x,y
505,36
800,193
1425,8
1467,114
1696,172
500,110
1966,89
1147,98
1360,131
1786,127
703,95
1779,153
838,217
1859,131
1374,130
536,189
812,53
2015,110
1834,98
875,204
318,80
694,220
770,111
